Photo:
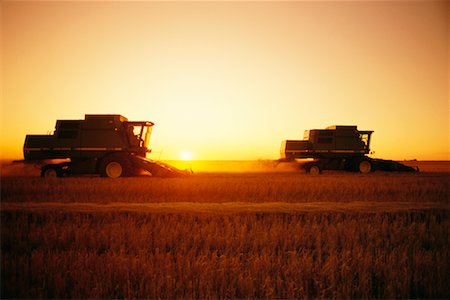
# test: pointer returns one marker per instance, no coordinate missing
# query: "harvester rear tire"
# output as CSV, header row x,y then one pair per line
x,y
115,166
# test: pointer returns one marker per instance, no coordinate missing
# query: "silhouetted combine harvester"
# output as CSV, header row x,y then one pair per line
x,y
108,145
336,148
112,146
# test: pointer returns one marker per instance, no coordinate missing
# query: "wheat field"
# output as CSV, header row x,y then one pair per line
x,y
216,236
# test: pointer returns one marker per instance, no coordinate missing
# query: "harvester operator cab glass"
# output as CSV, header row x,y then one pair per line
x,y
146,131
306,135
138,134
364,137
133,135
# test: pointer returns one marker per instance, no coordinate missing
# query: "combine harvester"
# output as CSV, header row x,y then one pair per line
x,y
337,148
108,145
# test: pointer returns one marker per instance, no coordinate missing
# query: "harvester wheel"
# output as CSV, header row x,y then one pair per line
x,y
364,166
50,171
314,170
115,166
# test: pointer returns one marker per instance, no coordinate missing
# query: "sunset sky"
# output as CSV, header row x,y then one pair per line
x,y
231,80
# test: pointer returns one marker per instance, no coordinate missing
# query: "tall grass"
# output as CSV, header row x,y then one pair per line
x,y
248,255
386,187
248,250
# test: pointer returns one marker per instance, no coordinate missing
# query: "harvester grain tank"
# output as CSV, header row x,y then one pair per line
x,y
337,147
109,145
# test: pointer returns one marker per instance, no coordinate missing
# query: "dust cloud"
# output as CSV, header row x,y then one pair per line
x,y
18,169
22,169
234,166
9,168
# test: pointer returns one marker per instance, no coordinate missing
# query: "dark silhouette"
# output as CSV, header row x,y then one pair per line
x,y
100,144
337,148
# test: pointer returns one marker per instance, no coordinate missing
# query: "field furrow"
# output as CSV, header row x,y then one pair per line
x,y
227,207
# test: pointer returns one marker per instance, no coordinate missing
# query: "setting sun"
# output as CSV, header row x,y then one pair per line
x,y
186,155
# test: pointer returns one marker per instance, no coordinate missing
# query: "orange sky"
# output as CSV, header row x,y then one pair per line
x,y
230,80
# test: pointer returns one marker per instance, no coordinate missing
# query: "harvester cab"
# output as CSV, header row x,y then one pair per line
x,y
138,135
109,145
336,147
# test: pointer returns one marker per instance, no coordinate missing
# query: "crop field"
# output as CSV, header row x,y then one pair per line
x,y
257,235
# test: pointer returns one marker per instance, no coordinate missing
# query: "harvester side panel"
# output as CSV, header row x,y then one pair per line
x,y
103,133
332,142
322,139
93,137
102,140
39,147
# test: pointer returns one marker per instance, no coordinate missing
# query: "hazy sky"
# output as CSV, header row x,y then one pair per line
x,y
231,80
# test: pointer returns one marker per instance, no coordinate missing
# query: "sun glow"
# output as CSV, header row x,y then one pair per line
x,y
186,155
230,90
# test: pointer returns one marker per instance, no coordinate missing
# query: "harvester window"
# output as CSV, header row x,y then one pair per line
x,y
306,135
132,135
365,139
138,133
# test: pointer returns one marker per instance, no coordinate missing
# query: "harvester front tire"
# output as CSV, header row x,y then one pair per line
x,y
365,166
314,170
115,166
50,171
